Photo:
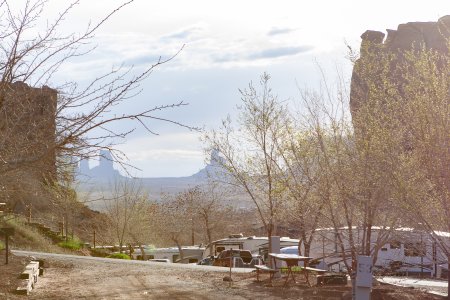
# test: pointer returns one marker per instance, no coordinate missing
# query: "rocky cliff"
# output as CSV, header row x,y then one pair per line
x,y
27,144
408,37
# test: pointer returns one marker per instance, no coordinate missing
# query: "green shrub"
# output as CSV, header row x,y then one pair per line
x,y
119,256
2,246
71,244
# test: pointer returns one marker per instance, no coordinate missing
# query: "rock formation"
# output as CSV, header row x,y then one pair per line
x,y
214,169
103,172
27,139
407,37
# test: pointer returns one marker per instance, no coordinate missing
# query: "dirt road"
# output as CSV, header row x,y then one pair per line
x,y
80,277
75,277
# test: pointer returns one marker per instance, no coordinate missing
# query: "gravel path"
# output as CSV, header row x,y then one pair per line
x,y
81,277
75,277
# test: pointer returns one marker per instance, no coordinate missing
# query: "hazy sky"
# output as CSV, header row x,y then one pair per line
x,y
227,45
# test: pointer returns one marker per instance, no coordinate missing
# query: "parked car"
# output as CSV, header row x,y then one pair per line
x,y
208,261
238,259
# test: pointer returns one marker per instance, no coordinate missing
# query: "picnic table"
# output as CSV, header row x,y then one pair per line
x,y
292,261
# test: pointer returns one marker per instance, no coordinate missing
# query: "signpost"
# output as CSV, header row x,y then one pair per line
x,y
7,232
276,245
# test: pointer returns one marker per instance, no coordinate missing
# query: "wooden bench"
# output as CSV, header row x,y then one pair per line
x,y
265,269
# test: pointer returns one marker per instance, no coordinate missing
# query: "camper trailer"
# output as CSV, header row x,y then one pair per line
x,y
191,254
258,246
406,251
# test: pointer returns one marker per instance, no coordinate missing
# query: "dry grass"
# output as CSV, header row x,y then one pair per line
x,y
28,238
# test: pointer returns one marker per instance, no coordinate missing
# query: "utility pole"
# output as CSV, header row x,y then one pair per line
x,y
7,232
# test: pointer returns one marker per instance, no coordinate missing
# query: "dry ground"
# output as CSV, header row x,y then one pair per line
x,y
70,278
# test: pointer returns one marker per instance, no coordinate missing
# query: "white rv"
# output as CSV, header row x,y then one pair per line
x,y
406,251
191,254
256,245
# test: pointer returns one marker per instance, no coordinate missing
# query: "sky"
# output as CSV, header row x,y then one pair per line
x,y
226,45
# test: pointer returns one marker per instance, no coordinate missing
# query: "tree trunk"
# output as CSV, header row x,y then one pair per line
x,y
66,228
180,249
307,246
143,254
299,247
368,238
269,235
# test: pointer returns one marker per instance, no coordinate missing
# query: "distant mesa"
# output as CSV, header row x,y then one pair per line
x,y
214,169
103,172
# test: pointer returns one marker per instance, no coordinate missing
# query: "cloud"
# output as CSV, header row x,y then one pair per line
x,y
279,52
253,56
278,30
188,33
181,35
223,58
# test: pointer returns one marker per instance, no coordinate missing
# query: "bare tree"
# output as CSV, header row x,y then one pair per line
x,y
388,166
425,181
127,212
210,207
301,168
250,153
357,159
64,205
194,216
173,220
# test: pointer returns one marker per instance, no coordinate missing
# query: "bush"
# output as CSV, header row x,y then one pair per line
x,y
71,244
2,246
119,256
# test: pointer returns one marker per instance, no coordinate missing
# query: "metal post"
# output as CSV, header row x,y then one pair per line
x,y
434,258
7,231
7,247
231,263
192,232
29,213
323,249
421,255
94,238
61,227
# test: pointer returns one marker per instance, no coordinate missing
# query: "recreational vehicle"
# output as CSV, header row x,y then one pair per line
x,y
191,254
405,250
258,246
